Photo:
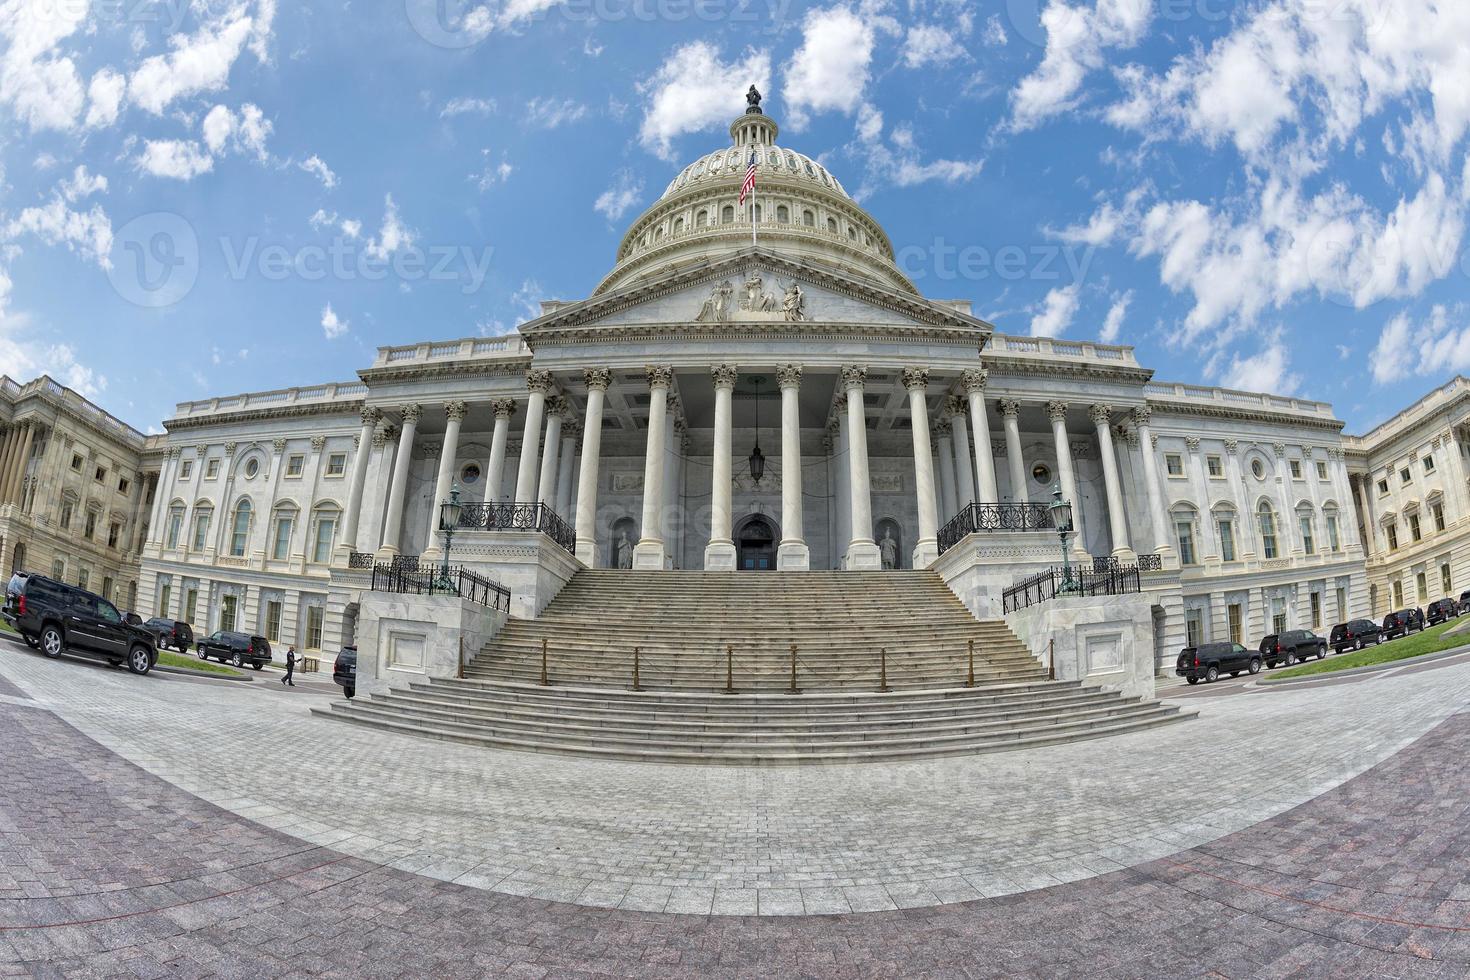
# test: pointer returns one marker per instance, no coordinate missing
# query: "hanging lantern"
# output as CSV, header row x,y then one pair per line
x,y
757,459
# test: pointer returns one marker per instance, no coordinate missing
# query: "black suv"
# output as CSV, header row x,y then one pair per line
x,y
236,648
1292,645
57,617
1441,611
1210,660
1402,623
1355,634
344,671
171,633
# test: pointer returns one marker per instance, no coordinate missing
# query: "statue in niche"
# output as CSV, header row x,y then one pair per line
x,y
793,304
716,308
623,551
888,550
755,300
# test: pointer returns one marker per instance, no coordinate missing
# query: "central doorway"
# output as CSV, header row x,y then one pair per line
x,y
755,542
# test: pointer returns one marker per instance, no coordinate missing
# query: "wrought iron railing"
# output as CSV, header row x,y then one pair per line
x,y
360,559
1070,583
519,517
406,579
1150,563
995,517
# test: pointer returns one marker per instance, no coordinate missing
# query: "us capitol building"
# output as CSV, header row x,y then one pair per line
x,y
776,398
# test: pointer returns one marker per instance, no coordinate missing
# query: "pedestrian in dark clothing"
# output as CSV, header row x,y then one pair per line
x,y
290,666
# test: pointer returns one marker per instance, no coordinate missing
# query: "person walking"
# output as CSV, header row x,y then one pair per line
x,y
290,665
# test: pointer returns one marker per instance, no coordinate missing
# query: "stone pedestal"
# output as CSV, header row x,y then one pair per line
x,y
793,556
649,554
1100,641
864,556
719,556
405,638
531,565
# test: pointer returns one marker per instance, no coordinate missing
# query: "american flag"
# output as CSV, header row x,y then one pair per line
x,y
748,185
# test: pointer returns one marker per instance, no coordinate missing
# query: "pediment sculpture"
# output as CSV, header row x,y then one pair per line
x,y
716,308
753,302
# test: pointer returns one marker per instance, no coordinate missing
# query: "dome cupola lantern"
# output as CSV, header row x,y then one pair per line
x,y
754,128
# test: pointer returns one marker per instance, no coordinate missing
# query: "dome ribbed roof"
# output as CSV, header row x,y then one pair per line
x,y
776,161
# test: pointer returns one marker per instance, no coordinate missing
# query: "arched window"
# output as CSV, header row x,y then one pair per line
x,y
701,219
783,214
1308,525
240,529
852,233
1268,531
808,219
202,515
727,214
1225,527
283,524
678,226
1334,533
324,533
1185,521
757,213
175,525
832,225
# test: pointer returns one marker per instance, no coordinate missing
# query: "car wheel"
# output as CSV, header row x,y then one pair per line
x,y
114,662
1357,644
1211,675
255,664
1235,673
351,691
239,661
140,661
51,642
203,654
1192,680
1255,665
1290,659
31,641
1321,652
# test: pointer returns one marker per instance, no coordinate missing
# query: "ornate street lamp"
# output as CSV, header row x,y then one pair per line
x,y
757,458
449,511
1061,515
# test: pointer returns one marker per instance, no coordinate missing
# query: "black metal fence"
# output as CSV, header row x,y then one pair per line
x,y
411,578
995,517
360,559
1071,582
519,517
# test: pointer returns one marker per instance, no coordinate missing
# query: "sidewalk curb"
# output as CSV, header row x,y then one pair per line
x,y
180,671
1368,668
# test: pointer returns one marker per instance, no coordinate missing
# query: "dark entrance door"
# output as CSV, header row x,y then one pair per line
x,y
757,544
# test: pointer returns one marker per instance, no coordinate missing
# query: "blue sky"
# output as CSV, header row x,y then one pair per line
x,y
209,197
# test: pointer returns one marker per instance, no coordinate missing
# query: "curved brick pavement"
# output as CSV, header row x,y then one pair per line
x,y
106,870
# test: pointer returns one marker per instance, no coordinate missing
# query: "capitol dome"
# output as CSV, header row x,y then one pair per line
x,y
800,208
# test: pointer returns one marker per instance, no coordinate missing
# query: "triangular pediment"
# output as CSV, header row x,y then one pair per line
x,y
750,288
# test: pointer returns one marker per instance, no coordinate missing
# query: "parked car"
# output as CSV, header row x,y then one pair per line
x,y
1465,601
1292,645
58,618
171,633
239,649
1209,660
1354,634
12,589
344,671
1402,623
1442,611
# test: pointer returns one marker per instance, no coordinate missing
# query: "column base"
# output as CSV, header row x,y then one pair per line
x,y
649,555
793,556
1125,556
587,552
864,556
719,556
926,553
385,553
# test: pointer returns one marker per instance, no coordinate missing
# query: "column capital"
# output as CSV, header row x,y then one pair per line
x,y
725,375
174,452
230,448
1101,415
410,413
1306,452
1056,411
537,380
954,408
660,375
318,443
380,436
1143,415
371,415
916,379
503,408
788,376
1192,443
279,445
1231,447
558,407
1010,408
597,378
834,426
455,411
1280,449
943,428
974,381
854,376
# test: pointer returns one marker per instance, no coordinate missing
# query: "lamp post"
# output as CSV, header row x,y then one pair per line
x,y
1061,515
757,458
449,511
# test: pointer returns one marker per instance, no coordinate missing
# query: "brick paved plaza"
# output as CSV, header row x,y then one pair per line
x,y
1324,834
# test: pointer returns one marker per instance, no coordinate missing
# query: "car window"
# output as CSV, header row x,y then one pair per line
x,y
107,612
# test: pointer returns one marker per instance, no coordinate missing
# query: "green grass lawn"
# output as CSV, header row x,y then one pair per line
x,y
1431,640
170,659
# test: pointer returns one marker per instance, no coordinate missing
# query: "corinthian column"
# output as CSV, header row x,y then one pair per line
x,y
546,485
1102,420
539,384
1057,412
719,554
1141,418
964,470
1010,411
454,413
597,380
862,550
503,408
973,383
926,549
361,458
393,526
792,553
650,552
948,506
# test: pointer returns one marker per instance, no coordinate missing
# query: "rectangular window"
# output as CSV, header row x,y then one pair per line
x,y
1322,471
84,576
1445,582
1227,539
1316,610
66,510
1421,585
1308,545
1438,511
191,605
336,464
1428,464
201,531
281,549
186,468
1194,627
175,525
1414,527
101,474
1233,620
1214,466
123,484
326,527
295,464
91,527
1405,476
211,469
76,462
1333,541
1382,488
273,621
58,569
1393,535
1185,532
1296,469
114,531
1278,615
107,588
1268,534
1398,593
1174,463
227,606
313,627
165,593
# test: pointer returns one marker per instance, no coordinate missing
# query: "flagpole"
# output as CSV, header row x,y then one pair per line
x,y
752,214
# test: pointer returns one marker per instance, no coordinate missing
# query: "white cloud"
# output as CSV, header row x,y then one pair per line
x,y
898,162
253,130
1056,312
82,184
198,63
551,113
694,90
246,133
930,44
178,159
621,197
88,233
492,173
1076,39
219,124
24,356
995,32
351,227
392,236
1438,344
260,30
1113,324
41,88
829,72
1267,371
318,168
332,326
105,96
466,105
